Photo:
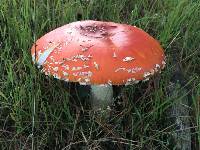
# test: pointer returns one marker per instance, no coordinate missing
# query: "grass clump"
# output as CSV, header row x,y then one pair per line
x,y
35,111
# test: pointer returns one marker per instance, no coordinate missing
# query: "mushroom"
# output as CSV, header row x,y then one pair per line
x,y
99,54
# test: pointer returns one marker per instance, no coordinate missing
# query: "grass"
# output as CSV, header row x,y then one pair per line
x,y
36,112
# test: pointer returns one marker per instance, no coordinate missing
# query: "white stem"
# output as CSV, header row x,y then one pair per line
x,y
101,96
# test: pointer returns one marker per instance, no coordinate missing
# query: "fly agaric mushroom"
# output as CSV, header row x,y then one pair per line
x,y
100,54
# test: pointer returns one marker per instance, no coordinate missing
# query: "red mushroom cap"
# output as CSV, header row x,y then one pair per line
x,y
96,52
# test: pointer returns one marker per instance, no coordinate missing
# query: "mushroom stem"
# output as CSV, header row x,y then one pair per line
x,y
101,96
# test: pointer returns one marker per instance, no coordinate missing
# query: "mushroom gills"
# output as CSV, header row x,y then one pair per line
x,y
101,96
